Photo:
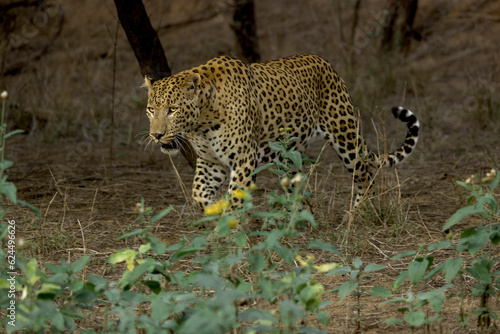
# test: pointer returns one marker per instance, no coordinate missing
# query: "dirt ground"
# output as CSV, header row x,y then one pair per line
x,y
87,192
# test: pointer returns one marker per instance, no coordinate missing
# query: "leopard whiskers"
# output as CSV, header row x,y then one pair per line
x,y
183,140
149,141
145,139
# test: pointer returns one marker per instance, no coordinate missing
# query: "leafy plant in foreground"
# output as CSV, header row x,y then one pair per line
x,y
357,274
7,189
483,238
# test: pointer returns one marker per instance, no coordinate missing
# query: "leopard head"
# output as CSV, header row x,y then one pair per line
x,y
172,109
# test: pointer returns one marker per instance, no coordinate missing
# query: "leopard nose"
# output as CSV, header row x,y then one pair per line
x,y
156,135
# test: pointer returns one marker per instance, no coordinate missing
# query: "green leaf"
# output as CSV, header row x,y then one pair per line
x,y
401,278
155,286
121,256
311,296
291,312
437,303
276,146
480,270
346,289
241,239
465,185
266,215
9,190
76,285
285,253
243,286
79,264
183,252
144,248
48,289
324,246
434,271
33,208
474,239
31,272
253,315
451,268
439,245
130,234
470,210
370,268
458,216
417,269
495,181
340,271
380,291
295,157
58,321
257,262
99,283
6,164
357,263
129,278
415,319
161,215
404,254
433,293
305,215
323,318
57,269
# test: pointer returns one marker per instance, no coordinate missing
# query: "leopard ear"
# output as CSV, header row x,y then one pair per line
x,y
148,82
192,84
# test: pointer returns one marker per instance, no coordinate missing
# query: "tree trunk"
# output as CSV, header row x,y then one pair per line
x,y
405,9
147,48
245,28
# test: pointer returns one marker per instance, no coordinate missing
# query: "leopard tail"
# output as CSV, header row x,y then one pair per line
x,y
397,156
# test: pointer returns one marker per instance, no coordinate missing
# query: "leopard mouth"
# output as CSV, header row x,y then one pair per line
x,y
171,147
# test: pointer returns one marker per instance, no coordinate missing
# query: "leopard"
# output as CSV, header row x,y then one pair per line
x,y
229,112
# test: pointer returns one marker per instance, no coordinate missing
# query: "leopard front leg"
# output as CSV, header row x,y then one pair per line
x,y
240,175
208,179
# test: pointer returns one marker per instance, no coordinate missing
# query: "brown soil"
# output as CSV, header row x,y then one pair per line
x,y
87,195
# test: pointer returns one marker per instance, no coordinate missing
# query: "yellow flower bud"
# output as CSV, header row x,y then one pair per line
x,y
138,208
297,179
238,193
217,208
285,181
4,95
232,223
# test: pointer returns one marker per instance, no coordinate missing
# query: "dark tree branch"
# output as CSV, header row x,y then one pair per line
x,y
148,49
245,28
405,9
142,38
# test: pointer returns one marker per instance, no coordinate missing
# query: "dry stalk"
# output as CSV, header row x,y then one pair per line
x,y
93,203
83,236
183,186
64,197
45,218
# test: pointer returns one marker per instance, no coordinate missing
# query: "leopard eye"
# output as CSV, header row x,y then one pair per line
x,y
171,110
150,111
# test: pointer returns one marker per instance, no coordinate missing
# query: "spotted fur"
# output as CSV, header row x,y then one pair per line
x,y
230,111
